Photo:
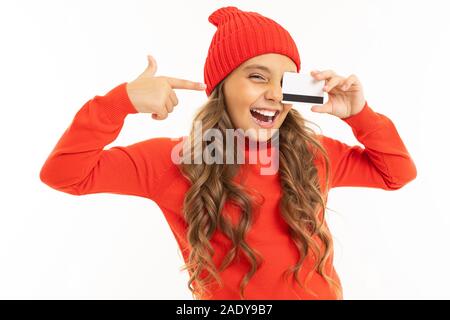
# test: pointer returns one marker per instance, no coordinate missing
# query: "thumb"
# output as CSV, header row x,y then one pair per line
x,y
152,66
325,108
156,116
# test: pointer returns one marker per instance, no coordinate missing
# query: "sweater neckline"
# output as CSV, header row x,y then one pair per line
x,y
260,155
251,144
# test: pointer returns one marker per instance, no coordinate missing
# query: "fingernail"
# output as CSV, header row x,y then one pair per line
x,y
325,88
203,86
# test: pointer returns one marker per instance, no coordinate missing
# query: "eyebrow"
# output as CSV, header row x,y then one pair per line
x,y
259,66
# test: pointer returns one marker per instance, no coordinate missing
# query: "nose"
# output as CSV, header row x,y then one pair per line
x,y
275,93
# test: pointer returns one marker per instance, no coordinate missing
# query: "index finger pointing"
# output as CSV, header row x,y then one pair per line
x,y
176,83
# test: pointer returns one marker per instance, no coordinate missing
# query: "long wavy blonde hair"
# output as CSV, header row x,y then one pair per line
x,y
212,185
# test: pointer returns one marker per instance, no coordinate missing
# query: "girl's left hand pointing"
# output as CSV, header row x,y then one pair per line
x,y
345,95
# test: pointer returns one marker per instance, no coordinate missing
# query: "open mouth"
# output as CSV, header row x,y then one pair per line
x,y
264,118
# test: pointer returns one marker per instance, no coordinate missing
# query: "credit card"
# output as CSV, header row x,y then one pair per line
x,y
303,88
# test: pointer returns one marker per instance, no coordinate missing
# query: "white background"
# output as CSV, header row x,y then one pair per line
x,y
56,55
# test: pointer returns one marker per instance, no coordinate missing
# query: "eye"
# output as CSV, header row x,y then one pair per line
x,y
256,76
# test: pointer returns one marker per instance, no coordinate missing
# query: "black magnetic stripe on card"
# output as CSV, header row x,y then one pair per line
x,y
301,98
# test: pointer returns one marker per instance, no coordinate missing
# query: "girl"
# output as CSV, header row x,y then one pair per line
x,y
243,234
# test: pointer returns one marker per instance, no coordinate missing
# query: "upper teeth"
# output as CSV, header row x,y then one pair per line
x,y
265,112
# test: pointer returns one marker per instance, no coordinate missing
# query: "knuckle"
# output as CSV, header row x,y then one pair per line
x,y
162,101
161,80
174,98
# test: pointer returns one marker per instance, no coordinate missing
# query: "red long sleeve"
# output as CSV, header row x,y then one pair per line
x,y
384,162
78,164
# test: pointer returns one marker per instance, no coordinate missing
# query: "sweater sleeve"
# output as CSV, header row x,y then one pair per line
x,y
79,164
383,163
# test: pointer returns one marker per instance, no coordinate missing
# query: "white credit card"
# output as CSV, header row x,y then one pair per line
x,y
299,87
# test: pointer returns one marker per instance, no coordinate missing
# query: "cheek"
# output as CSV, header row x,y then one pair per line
x,y
237,116
248,94
239,110
283,116
242,118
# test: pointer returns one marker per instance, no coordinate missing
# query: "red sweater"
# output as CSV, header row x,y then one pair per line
x,y
79,165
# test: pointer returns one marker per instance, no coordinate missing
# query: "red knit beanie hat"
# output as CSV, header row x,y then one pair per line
x,y
242,35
